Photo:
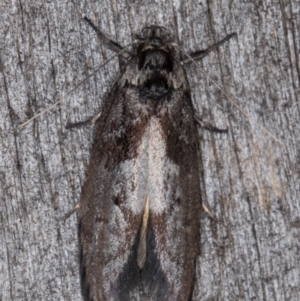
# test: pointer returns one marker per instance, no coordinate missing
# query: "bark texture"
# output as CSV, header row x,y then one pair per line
x,y
251,182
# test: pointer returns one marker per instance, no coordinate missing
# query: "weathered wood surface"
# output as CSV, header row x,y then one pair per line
x,y
251,182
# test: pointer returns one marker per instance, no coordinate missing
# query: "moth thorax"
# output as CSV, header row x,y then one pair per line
x,y
156,60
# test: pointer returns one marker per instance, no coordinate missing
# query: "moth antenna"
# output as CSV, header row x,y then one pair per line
x,y
227,95
142,248
72,90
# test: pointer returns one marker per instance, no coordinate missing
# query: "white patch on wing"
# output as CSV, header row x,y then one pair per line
x,y
161,170
150,174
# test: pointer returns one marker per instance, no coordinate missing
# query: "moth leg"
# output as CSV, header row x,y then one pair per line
x,y
88,121
210,127
200,54
112,45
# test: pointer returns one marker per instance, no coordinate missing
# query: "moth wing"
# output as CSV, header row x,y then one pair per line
x,y
173,235
111,208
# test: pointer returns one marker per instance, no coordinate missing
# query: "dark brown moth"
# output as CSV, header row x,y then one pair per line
x,y
139,213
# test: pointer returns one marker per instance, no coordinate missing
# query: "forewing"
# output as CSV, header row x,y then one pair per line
x,y
175,204
111,206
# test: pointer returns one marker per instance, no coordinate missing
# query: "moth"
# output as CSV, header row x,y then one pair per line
x,y
139,212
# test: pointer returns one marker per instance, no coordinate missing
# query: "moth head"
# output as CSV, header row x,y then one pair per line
x,y
155,38
155,31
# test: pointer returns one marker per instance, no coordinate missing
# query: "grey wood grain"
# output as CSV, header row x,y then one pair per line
x,y
251,182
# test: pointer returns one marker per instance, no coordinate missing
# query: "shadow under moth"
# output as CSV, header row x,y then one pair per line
x,y
139,212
